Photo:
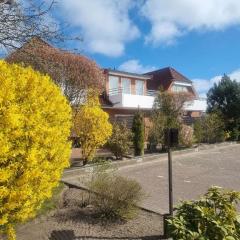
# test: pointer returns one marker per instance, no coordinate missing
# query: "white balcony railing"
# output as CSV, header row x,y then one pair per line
x,y
115,91
122,98
196,105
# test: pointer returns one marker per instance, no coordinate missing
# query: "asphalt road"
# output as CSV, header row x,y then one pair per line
x,y
193,174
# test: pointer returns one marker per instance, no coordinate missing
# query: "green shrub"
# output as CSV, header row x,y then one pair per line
x,y
235,134
138,134
186,136
198,130
213,217
209,129
120,141
117,196
153,139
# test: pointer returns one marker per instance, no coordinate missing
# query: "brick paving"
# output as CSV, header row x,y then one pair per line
x,y
193,174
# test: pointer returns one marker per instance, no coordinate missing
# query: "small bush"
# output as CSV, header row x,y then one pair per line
x,y
156,132
138,134
186,136
214,216
153,139
91,127
198,131
120,141
116,196
235,134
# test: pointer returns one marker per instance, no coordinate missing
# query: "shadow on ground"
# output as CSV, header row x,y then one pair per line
x,y
69,235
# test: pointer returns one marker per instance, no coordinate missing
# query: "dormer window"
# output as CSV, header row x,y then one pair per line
x,y
179,88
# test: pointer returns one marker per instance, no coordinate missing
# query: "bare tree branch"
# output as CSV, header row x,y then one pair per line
x,y
19,23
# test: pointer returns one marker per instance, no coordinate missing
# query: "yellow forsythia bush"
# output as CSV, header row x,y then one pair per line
x,y
91,126
35,121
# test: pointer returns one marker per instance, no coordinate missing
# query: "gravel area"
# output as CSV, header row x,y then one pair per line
x,y
71,221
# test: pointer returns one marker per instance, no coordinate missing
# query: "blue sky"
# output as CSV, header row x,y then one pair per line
x,y
200,38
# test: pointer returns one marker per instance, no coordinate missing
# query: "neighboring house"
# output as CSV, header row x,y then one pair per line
x,y
171,80
127,92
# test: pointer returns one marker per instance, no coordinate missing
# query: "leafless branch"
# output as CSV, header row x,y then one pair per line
x,y
19,23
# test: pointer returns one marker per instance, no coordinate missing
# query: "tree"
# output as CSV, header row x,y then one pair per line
x,y
73,73
167,112
210,128
35,121
92,127
156,132
225,98
22,20
138,134
170,105
120,141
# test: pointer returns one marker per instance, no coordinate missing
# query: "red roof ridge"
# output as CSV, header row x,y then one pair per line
x,y
173,73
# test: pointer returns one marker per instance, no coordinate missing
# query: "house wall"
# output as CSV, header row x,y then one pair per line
x,y
128,101
133,83
114,111
128,114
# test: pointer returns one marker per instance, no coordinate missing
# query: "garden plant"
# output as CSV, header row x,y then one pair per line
x,y
121,140
115,197
138,133
213,217
35,121
91,126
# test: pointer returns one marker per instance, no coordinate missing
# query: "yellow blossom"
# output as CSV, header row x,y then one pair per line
x,y
92,127
35,121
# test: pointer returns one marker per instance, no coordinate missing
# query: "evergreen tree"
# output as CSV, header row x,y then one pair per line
x,y
138,134
224,97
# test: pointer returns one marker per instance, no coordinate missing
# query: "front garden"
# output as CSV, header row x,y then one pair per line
x,y
36,120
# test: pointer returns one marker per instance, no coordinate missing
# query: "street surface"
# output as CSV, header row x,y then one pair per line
x,y
193,174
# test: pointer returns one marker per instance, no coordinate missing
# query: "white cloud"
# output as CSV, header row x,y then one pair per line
x,y
173,18
134,66
203,85
235,75
105,25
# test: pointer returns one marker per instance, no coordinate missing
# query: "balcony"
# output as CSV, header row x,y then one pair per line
x,y
196,105
122,98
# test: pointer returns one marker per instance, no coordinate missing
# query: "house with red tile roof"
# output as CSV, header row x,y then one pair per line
x,y
127,92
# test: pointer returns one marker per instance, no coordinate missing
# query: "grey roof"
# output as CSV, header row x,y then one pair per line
x,y
144,76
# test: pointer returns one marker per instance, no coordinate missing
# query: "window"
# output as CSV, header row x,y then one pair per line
x,y
179,88
113,85
139,87
126,85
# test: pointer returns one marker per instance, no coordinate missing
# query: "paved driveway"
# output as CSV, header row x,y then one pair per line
x,y
193,174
